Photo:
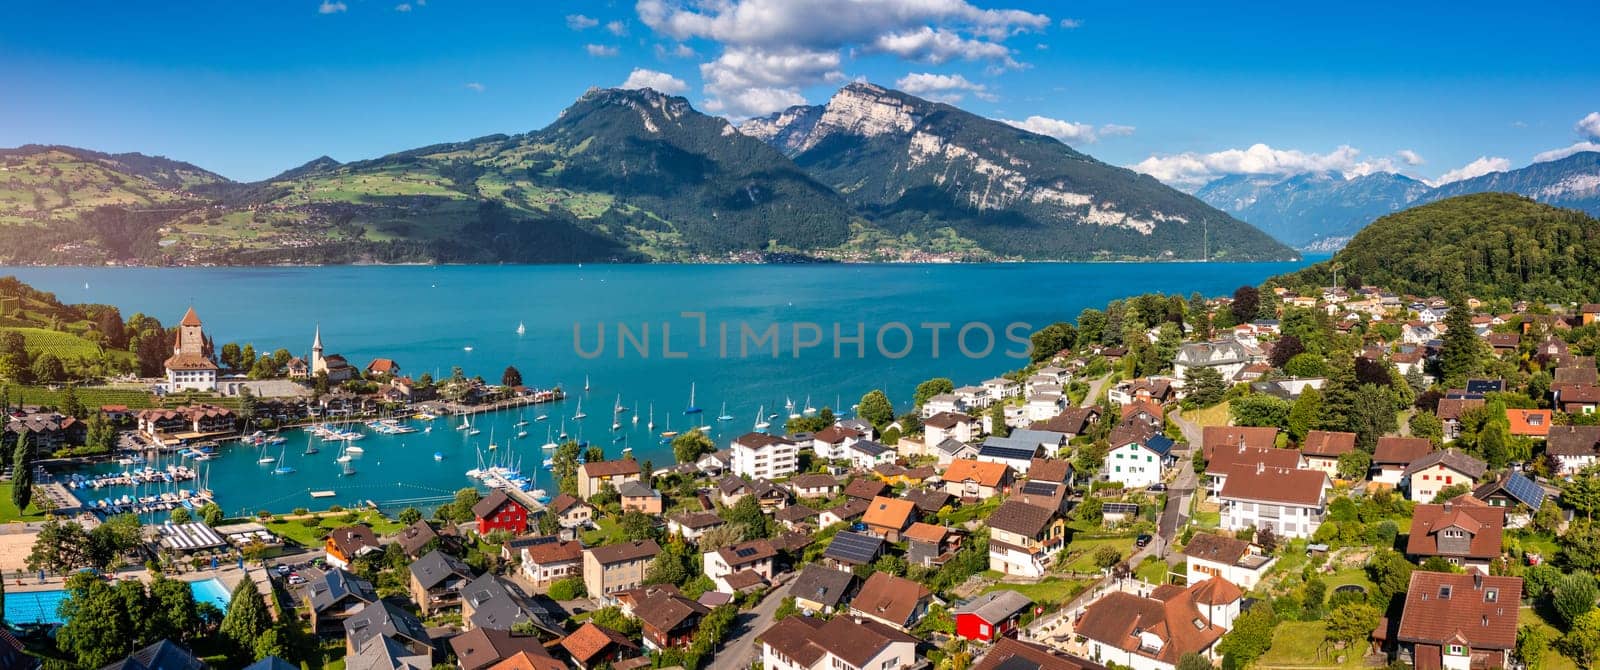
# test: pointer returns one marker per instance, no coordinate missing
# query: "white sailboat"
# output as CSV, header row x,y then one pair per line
x,y
586,383
466,424
724,416
652,424
809,410
521,421
548,442
579,416
761,419
563,433
669,432
521,328
344,457
619,407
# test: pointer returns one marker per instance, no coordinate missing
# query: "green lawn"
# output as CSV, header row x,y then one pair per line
x,y
1553,660
608,531
1049,590
1299,644
8,509
311,536
1215,415
1080,552
1155,570
1204,519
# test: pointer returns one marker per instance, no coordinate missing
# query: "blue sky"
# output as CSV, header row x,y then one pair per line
x,y
1181,90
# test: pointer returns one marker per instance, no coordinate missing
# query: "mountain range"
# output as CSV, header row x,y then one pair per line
x,y
1320,211
629,176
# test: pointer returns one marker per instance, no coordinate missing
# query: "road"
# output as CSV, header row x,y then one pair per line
x,y
1095,387
740,650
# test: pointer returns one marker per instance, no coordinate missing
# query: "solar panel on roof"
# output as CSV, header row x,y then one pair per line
x,y
854,548
744,552
1010,453
1039,488
1524,490
1119,508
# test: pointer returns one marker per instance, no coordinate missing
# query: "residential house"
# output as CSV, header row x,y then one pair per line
x,y
731,489
1139,464
483,648
383,653
1040,406
638,497
1023,538
160,655
346,543
928,545
893,601
806,643
415,539
1154,631
830,443
499,511
1011,654
1530,423
1213,437
1000,389
1503,343
331,597
1072,422
1467,534
548,562
795,517
813,485
1225,460
950,450
691,525
383,619
47,431
1018,454
178,425
756,557
383,367
1576,398
764,456
1394,454
1459,621
592,646
848,512
616,567
770,495
850,549
865,488
1288,501
1321,449
1209,555
1513,493
667,619
1573,448
944,402
888,517
592,477
867,454
992,615
950,425
1449,412
1050,470
1430,474
821,589
436,581
1227,357
929,500
492,602
570,511
976,480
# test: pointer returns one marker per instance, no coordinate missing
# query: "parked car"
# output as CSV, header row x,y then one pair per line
x,y
1158,486
1142,540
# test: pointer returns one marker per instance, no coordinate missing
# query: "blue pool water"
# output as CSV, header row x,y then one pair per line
x,y
41,606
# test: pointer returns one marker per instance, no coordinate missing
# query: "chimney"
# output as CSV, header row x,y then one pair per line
x,y
1261,467
1477,580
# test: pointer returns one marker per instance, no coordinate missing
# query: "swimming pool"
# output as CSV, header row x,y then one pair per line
x,y
41,606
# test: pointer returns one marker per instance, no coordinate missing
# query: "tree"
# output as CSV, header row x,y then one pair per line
x,y
101,436
876,409
175,615
1305,365
1338,393
1462,353
511,377
1582,641
1106,556
1533,641
1391,573
97,629
1259,410
1246,302
614,619
49,369
1205,385
1582,492
1573,596
1052,339
570,588
211,513
997,421
1091,326
1250,637
22,471
747,513
60,547
931,388
637,525
270,643
1427,424
70,404
410,515
690,446
1285,349
181,515
671,566
1354,465
1350,624
1372,416
1193,661
247,617
1580,546
1305,413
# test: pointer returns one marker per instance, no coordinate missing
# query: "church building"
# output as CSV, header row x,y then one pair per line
x,y
190,368
335,366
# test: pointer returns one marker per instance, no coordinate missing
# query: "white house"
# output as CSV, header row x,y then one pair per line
x,y
840,643
1226,356
944,402
1209,555
755,556
1152,631
1291,502
189,368
1573,447
866,454
1139,464
1042,406
950,425
759,455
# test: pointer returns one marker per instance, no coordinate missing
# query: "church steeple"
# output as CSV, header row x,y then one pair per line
x,y
316,341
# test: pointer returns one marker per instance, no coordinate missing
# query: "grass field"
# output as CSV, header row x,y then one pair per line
x,y
1299,644
8,509
1080,552
311,536
1049,590
1215,415
64,346
89,396
608,531
1553,660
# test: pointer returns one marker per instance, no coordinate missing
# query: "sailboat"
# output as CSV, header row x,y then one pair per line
x,y
691,409
521,328
724,416
283,467
619,407
466,424
652,424
548,443
344,456
809,410
789,405
579,416
761,421
438,455
669,432
265,459
636,414
473,430
616,425
522,433
521,421
586,383
563,433
492,445
311,447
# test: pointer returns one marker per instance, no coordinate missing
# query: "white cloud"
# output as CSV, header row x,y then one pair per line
x,y
600,50
1410,157
1069,24
331,7
950,88
1192,170
660,81
773,49
1519,124
581,22
475,87
677,51
617,28
1070,132
1563,152
403,7
1589,126
1482,166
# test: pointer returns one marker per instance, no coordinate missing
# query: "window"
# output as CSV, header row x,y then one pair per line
x,y
1456,650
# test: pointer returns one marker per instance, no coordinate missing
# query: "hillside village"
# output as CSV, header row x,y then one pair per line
x,y
1285,477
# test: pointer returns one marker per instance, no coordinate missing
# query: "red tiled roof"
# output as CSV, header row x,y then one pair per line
x,y
1466,613
1401,450
982,472
1275,485
589,640
1328,443
1484,525
889,597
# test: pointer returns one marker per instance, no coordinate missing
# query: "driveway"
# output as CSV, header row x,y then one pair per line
x,y
1095,387
740,651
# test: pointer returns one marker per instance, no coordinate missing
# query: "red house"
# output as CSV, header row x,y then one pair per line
x,y
991,615
499,512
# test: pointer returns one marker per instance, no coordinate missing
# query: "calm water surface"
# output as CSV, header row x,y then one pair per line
x,y
430,319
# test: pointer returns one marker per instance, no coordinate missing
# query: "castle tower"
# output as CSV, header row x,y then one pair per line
x,y
191,338
189,368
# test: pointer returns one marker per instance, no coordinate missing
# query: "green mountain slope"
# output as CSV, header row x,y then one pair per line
x,y
1491,245
911,165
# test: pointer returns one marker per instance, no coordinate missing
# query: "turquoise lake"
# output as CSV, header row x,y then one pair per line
x,y
427,318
